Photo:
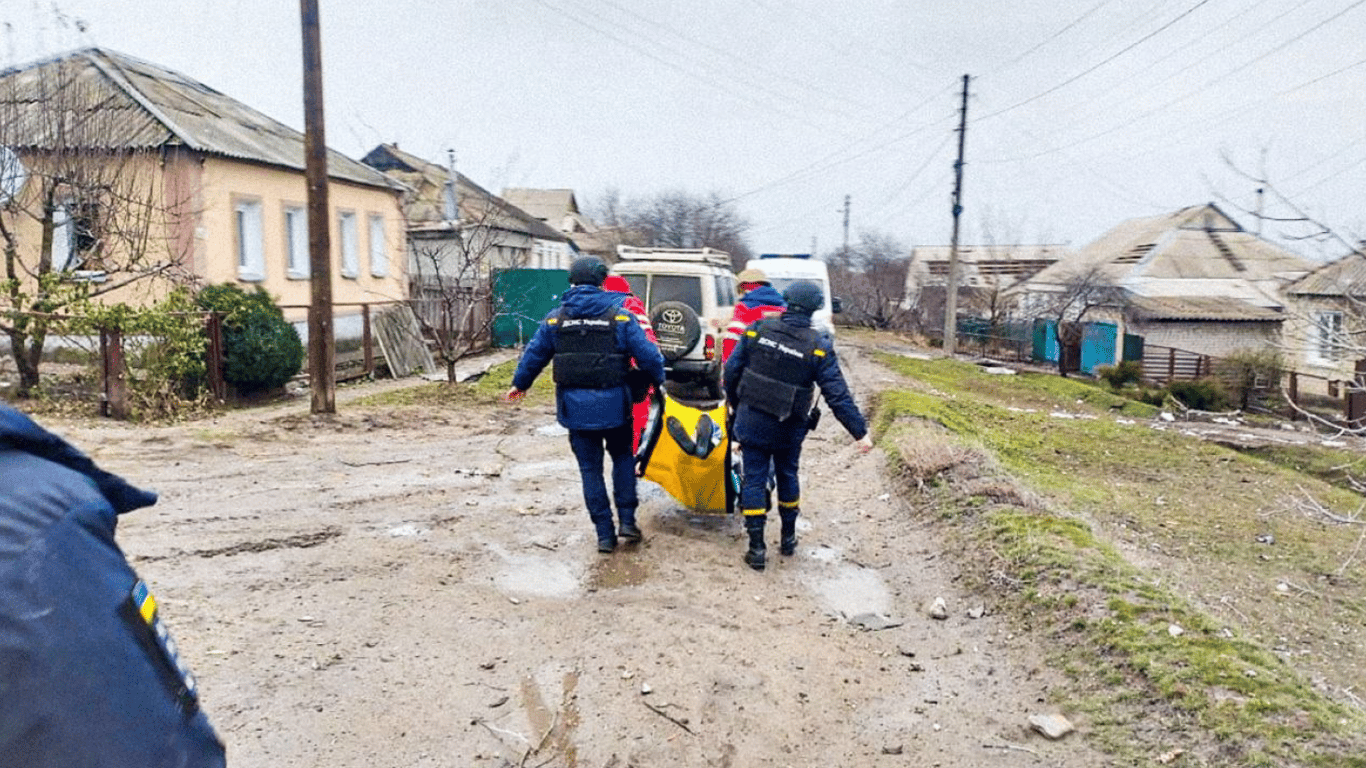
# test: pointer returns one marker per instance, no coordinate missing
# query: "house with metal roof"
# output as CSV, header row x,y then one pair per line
x,y
449,217
1192,279
1327,318
225,193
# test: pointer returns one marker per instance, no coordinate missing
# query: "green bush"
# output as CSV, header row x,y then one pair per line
x,y
261,350
1200,394
1120,376
1155,397
1247,371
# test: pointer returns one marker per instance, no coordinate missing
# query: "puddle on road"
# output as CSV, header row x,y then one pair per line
x,y
853,591
623,568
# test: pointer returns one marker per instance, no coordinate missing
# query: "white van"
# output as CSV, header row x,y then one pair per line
x,y
784,269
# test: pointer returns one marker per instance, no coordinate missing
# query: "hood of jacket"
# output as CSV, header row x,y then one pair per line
x,y
589,301
19,432
763,296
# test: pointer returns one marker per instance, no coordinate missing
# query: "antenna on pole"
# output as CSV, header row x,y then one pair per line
x,y
951,288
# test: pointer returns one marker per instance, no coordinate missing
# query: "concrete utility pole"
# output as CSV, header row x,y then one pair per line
x,y
322,345
951,288
845,251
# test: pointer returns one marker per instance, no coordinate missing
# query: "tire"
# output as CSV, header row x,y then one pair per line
x,y
677,328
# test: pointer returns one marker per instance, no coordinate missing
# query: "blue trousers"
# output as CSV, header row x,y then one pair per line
x,y
754,485
588,446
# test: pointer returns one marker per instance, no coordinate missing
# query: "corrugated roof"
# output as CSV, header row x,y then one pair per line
x,y
1200,246
134,104
1210,308
1343,277
426,211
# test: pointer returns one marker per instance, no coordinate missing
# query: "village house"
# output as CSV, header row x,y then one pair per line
x,y
1192,280
560,209
986,272
223,195
1327,320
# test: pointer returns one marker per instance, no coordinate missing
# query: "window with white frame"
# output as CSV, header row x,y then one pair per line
x,y
379,253
296,242
251,256
1327,336
350,244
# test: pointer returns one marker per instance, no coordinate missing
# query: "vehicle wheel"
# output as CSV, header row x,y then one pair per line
x,y
677,328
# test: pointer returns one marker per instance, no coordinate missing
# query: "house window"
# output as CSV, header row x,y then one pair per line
x,y
75,239
350,243
296,242
379,254
251,258
1327,336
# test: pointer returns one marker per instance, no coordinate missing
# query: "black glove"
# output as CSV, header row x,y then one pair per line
x,y
813,419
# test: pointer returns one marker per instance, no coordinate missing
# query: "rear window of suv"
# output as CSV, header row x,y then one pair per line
x,y
684,288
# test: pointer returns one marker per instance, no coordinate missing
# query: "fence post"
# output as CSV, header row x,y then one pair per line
x,y
367,339
218,387
115,378
1171,365
1294,393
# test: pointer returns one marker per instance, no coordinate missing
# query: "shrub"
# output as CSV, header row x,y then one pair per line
x,y
1120,376
261,350
1155,397
1248,370
1200,394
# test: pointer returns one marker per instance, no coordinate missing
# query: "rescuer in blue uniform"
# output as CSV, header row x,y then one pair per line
x,y
771,381
89,675
592,341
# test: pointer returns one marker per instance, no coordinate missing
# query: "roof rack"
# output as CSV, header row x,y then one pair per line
x,y
694,255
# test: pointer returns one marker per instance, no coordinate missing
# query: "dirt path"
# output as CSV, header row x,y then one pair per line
x,y
404,588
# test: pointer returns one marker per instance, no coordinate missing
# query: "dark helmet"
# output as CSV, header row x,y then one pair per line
x,y
803,297
587,270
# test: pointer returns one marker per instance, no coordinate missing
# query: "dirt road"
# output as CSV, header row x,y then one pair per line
x,y
402,587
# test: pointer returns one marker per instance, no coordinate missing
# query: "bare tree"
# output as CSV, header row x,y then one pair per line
x,y
85,210
680,219
870,278
1076,296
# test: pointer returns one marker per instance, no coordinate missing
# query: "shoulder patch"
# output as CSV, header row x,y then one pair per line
x,y
751,333
820,352
623,317
552,321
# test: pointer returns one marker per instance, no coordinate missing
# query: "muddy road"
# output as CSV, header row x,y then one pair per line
x,y
408,587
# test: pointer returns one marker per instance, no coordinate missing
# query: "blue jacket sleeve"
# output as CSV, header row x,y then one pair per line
x,y
535,357
836,394
646,354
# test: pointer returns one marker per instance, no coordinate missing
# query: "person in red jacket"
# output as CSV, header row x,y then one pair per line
x,y
759,300
632,304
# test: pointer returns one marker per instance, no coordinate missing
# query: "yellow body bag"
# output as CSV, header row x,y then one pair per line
x,y
686,451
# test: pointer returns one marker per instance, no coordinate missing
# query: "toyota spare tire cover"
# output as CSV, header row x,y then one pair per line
x,y
676,327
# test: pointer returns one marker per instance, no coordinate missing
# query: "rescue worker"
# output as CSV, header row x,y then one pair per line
x,y
592,341
770,384
759,300
88,674
630,302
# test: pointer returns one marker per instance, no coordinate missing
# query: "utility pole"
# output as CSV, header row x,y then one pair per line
x,y
845,251
951,288
322,345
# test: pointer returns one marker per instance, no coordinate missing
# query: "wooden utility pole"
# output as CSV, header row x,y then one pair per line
x,y
951,288
322,348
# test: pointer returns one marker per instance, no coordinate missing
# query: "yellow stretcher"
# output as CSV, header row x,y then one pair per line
x,y
686,451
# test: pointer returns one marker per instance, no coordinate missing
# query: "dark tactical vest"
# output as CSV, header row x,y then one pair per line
x,y
586,351
779,379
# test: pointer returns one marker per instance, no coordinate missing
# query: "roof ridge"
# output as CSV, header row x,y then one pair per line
x,y
133,93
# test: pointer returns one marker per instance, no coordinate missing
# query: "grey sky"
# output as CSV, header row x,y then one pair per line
x,y
1082,112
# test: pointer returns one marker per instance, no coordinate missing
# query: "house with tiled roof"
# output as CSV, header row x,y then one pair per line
x,y
225,193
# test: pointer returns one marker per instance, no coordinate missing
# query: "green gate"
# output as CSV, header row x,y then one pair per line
x,y
521,298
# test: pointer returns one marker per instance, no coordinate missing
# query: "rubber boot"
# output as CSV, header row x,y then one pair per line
x,y
787,544
756,555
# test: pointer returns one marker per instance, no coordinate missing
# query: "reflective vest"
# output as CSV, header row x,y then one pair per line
x,y
779,379
586,352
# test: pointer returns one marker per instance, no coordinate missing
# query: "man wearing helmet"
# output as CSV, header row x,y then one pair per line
x,y
770,381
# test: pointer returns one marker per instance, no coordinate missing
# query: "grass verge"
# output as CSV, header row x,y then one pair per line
x,y
1140,555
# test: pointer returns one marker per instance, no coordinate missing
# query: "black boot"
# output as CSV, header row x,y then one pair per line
x,y
756,555
787,545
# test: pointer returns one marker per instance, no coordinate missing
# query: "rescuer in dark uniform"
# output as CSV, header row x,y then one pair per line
x,y
592,341
771,382
89,676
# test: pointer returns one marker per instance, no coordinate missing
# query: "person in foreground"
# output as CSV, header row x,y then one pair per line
x,y
592,341
770,381
89,675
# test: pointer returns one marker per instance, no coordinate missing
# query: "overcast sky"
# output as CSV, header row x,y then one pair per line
x,y
1082,113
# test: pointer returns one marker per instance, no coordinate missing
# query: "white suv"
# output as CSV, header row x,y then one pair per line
x,y
690,294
